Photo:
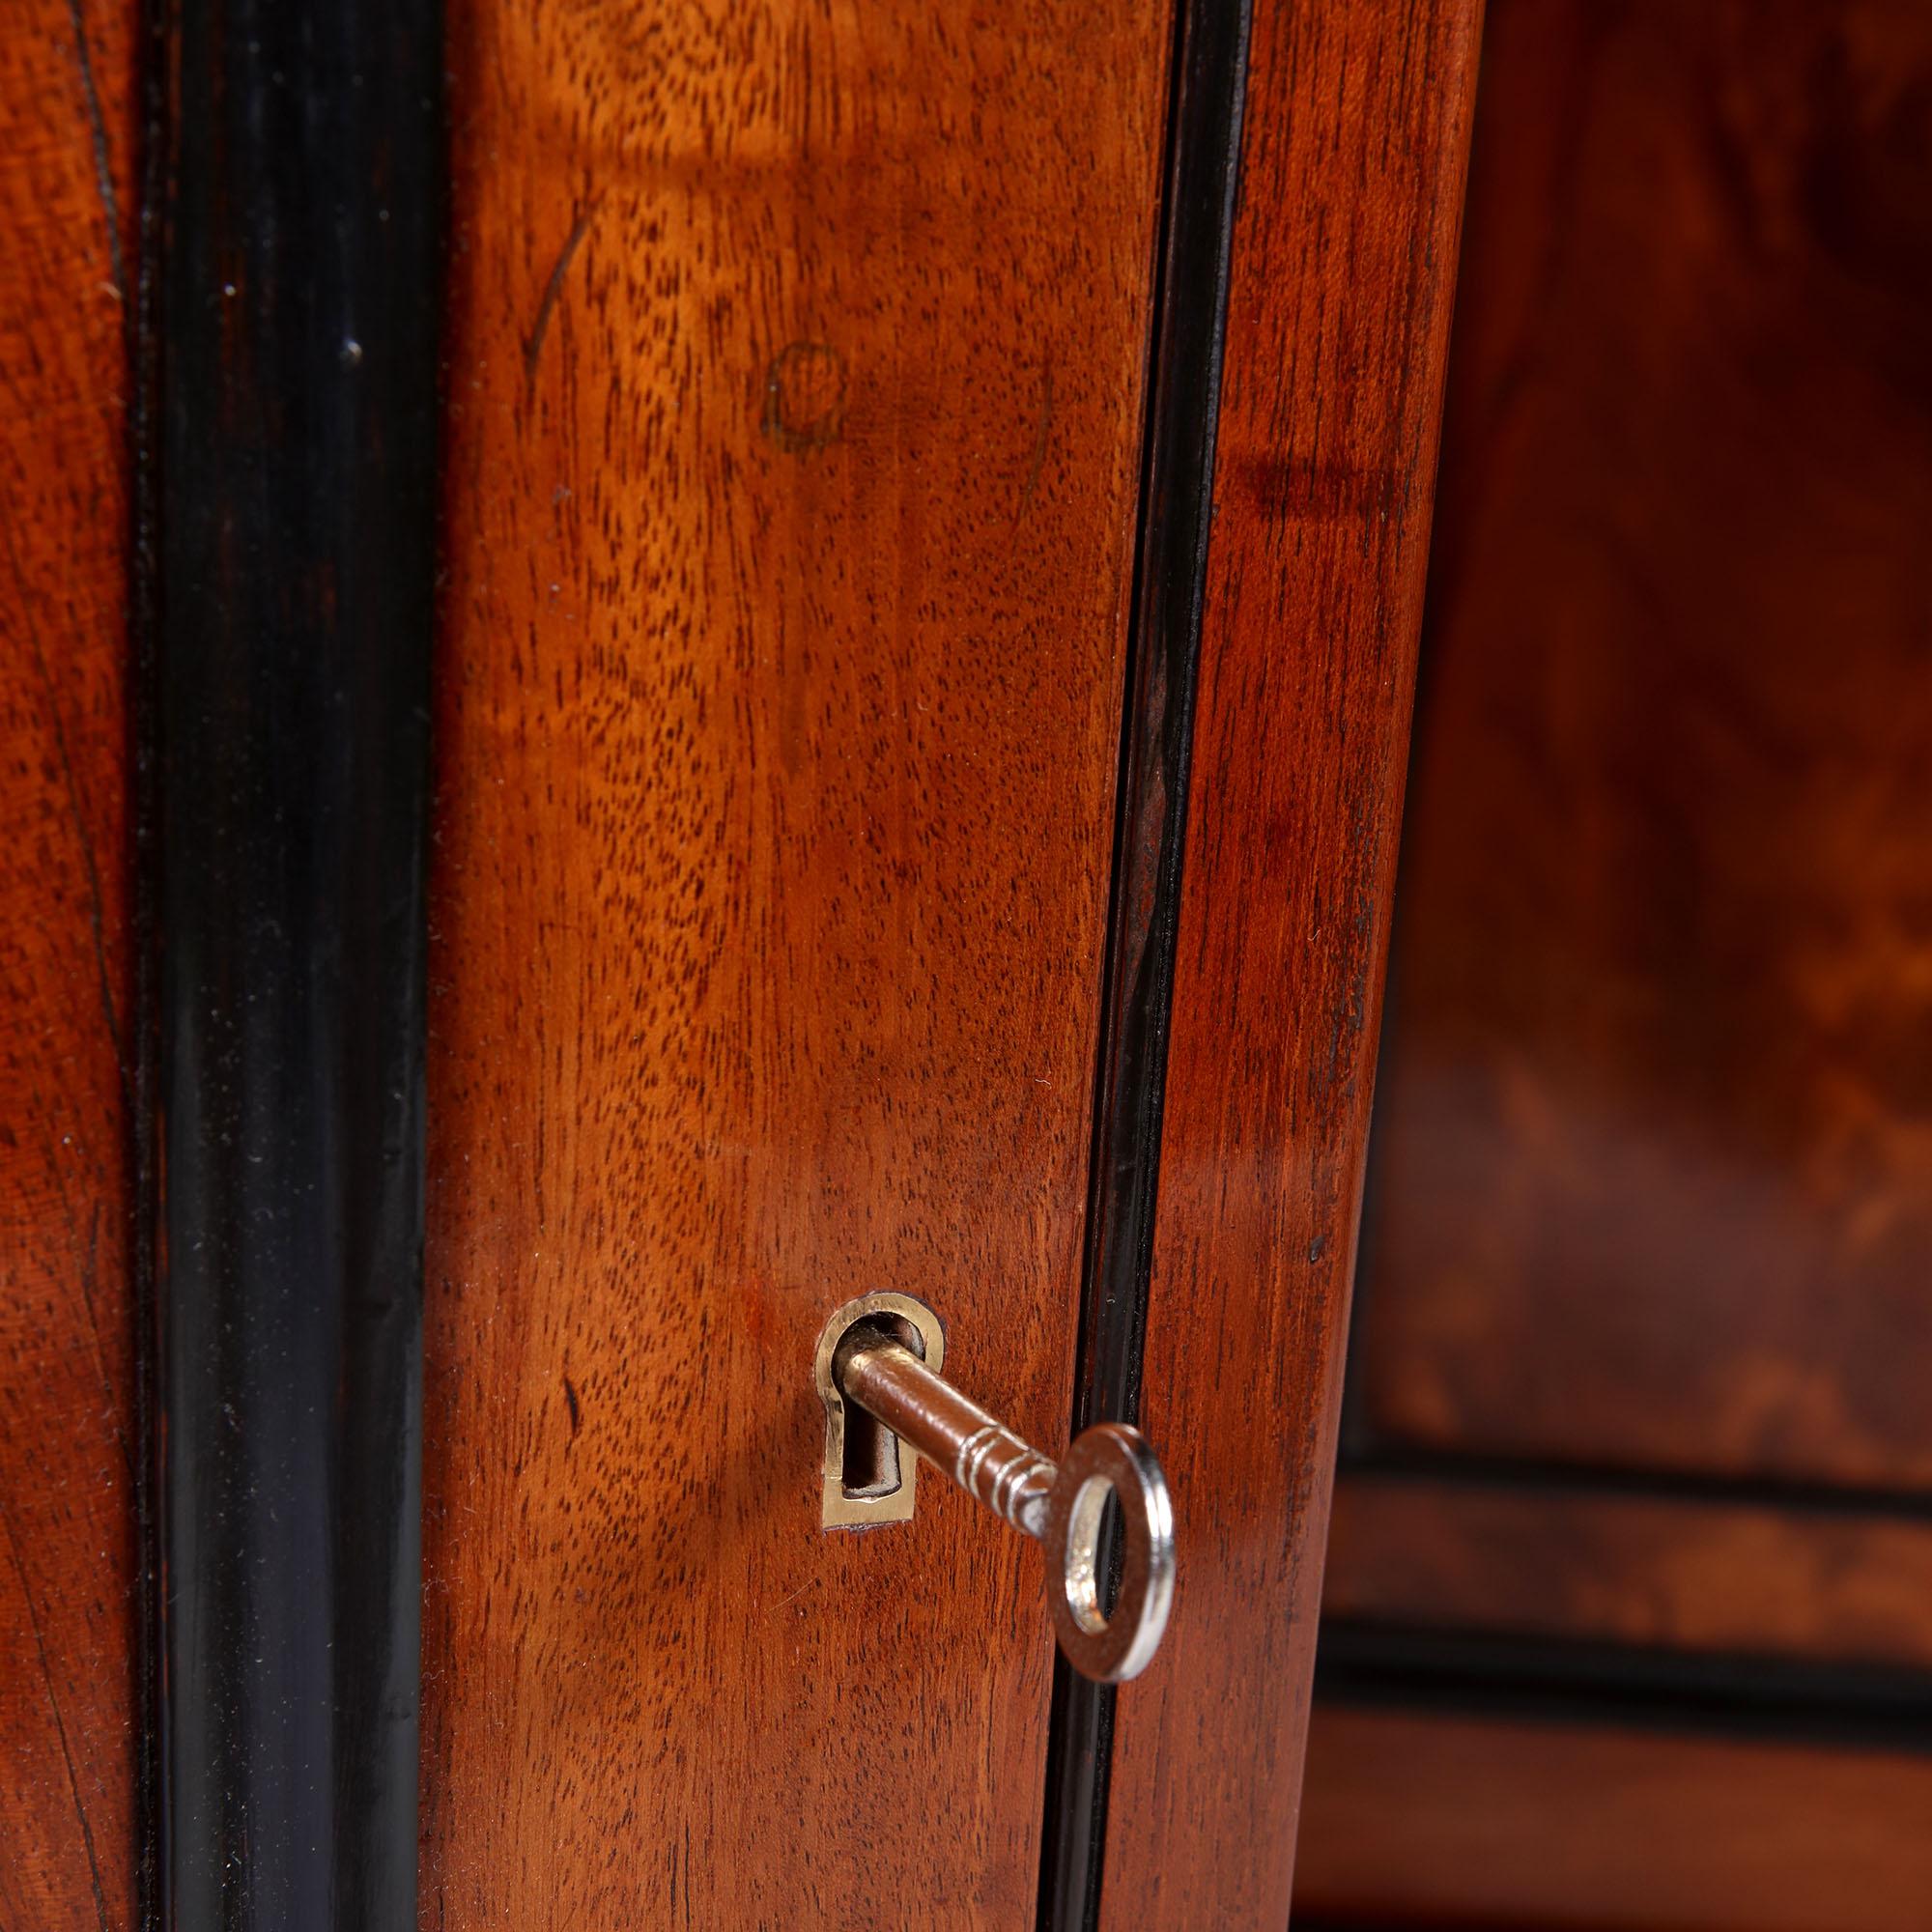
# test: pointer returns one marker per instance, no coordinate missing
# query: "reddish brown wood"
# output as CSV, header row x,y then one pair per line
x,y
1654,1167
1825,1586
67,1544
1653,1149
1454,1822
794,413
1344,262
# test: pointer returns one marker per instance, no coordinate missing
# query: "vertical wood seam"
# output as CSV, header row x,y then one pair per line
x,y
1192,252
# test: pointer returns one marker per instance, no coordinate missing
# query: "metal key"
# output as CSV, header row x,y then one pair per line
x,y
1060,1506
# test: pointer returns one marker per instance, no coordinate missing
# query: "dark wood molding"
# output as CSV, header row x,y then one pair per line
x,y
292,474
1374,1457
1509,1676
1157,738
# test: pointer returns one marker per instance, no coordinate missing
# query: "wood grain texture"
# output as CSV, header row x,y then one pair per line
x,y
1357,122
1455,1822
66,1539
1683,1573
795,377
1653,1180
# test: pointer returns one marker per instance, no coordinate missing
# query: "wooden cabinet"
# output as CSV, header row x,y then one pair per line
x,y
756,653
672,665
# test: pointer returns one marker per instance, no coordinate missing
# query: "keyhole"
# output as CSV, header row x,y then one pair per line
x,y
867,1476
870,1466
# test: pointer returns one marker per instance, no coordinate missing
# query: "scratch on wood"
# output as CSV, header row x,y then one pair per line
x,y
553,289
1039,443
103,170
60,1724
808,1583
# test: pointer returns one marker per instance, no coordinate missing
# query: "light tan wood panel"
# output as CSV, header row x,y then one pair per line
x,y
794,410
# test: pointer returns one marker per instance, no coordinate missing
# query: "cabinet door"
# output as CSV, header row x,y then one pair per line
x,y
1343,270
796,406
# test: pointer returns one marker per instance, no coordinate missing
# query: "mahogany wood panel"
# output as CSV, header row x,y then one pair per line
x,y
1837,1586
1654,1159
66,1332
1356,120
1459,1822
795,394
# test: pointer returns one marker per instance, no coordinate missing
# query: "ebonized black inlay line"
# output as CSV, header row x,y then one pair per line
x,y
1375,1457
291,476
1197,219
1509,1678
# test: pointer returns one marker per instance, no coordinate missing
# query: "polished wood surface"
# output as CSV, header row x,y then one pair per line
x,y
66,1438
1653,1177
1824,1586
1343,264
1449,1821
794,414
1651,1189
